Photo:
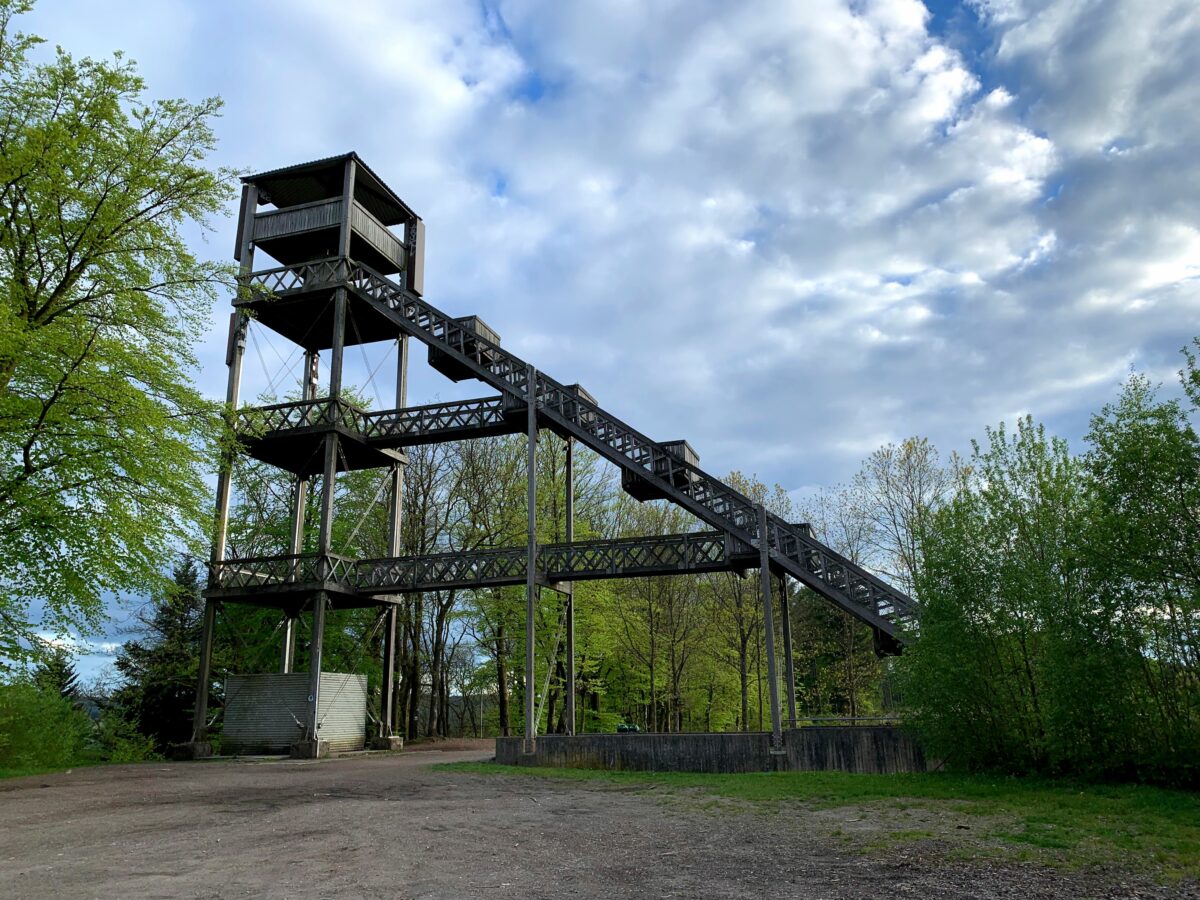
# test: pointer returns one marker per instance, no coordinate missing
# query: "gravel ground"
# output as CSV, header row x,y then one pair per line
x,y
391,826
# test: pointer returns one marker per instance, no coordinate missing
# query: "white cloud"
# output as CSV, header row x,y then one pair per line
x,y
784,231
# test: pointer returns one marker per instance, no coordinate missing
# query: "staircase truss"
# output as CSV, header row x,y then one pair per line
x,y
833,576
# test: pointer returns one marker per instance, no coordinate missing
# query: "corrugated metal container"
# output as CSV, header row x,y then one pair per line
x,y
343,711
265,713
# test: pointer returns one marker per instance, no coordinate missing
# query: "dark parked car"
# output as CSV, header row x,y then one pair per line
x,y
628,729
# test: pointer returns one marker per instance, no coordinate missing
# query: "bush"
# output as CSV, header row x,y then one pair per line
x,y
117,740
39,729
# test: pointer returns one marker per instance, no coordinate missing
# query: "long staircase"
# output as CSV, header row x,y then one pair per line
x,y
569,411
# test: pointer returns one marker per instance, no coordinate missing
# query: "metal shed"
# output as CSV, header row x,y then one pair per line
x,y
265,713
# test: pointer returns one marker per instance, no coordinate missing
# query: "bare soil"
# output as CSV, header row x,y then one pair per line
x,y
392,826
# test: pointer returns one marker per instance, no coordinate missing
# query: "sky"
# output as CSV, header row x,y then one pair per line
x,y
788,232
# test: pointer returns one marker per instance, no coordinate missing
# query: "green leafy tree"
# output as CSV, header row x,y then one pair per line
x,y
39,729
104,440
1144,470
1001,569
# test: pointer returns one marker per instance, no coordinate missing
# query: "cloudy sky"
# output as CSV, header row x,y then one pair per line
x,y
789,232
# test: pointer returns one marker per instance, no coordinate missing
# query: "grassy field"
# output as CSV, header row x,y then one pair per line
x,y
1055,822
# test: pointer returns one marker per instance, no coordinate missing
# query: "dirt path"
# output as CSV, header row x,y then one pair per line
x,y
391,826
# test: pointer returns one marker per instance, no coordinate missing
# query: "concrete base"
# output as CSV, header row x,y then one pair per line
x,y
876,749
387,743
310,749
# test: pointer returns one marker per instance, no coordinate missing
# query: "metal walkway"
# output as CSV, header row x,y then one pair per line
x,y
674,554
566,410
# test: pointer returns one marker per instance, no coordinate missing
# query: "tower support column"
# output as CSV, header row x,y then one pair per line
x,y
312,747
386,738
329,473
531,588
238,324
308,392
769,627
570,504
789,670
200,746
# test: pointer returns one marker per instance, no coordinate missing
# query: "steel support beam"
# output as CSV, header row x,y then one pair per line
x,y
348,177
287,656
329,472
204,676
531,587
789,670
237,351
570,535
387,695
312,720
308,391
387,692
769,627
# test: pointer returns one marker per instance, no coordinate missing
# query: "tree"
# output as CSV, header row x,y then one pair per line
x,y
893,494
160,669
56,675
104,441
737,602
1026,661
1144,552
837,670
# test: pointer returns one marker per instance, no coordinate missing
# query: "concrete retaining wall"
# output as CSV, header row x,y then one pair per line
x,y
878,749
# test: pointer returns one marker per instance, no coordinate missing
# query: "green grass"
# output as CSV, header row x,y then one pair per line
x,y
1057,822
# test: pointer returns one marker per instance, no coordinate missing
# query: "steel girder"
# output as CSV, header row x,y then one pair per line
x,y
673,554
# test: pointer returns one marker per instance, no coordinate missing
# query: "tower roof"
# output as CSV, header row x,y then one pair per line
x,y
322,178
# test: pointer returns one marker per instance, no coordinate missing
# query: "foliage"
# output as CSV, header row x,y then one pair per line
x,y
1060,616
104,440
39,729
117,740
56,674
160,669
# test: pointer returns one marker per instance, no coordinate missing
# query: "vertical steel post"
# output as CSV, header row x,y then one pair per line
x,y
570,493
325,536
387,691
387,699
287,656
237,351
347,204
789,669
338,346
200,717
329,475
244,253
312,722
531,556
308,392
769,625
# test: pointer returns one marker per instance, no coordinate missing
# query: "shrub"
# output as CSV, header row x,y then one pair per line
x,y
39,729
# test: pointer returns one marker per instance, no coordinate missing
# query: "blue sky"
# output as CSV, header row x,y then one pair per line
x,y
788,232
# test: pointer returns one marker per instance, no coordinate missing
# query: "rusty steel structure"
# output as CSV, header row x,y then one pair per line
x,y
352,251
